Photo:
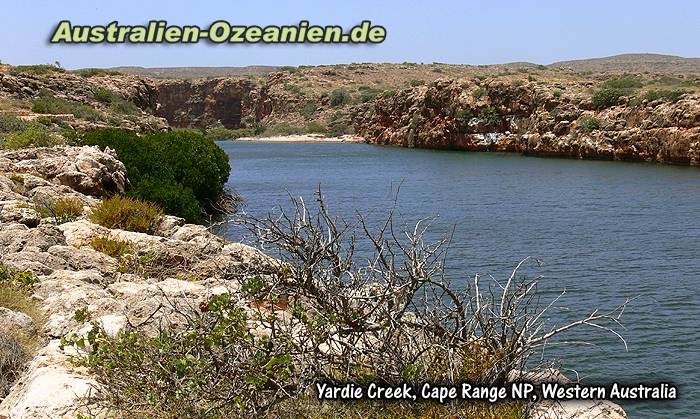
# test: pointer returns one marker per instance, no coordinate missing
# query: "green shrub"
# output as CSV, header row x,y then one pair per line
x,y
607,97
415,83
623,82
294,89
35,135
127,213
315,128
464,115
47,103
104,95
182,171
10,123
63,210
308,110
38,69
339,97
92,72
480,92
589,123
368,95
667,95
124,107
490,115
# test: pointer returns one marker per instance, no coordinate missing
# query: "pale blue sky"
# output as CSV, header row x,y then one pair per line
x,y
454,31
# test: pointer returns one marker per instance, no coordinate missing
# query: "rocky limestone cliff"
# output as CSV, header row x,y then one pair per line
x,y
534,118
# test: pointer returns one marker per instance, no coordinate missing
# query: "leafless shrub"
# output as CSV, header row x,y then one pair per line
x,y
333,311
13,358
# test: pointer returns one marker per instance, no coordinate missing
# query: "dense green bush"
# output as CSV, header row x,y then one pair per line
x,y
607,97
182,171
127,213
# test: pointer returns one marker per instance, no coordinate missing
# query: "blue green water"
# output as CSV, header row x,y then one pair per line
x,y
606,231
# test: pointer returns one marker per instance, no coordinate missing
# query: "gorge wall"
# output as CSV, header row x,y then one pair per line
x,y
206,102
533,118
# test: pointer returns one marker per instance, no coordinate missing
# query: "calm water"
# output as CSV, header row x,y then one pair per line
x,y
606,231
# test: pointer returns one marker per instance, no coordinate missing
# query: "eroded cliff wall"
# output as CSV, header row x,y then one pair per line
x,y
533,118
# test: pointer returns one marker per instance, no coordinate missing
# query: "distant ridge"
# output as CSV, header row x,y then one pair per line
x,y
635,63
629,63
197,72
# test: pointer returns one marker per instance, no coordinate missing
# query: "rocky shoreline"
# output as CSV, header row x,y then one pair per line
x,y
73,276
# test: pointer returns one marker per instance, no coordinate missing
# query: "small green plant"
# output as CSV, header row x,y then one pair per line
x,y
252,287
589,124
480,92
339,97
104,95
62,210
294,89
111,247
415,83
127,213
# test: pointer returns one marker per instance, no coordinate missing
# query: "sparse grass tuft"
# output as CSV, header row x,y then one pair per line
x,y
62,210
111,247
127,213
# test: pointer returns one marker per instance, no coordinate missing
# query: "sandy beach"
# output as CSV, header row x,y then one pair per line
x,y
305,138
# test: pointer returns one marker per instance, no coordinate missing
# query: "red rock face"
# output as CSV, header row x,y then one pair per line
x,y
535,119
202,103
